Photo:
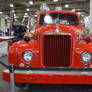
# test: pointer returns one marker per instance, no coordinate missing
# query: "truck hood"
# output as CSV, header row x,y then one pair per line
x,y
73,30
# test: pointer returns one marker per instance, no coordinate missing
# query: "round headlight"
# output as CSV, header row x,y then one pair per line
x,y
27,56
86,57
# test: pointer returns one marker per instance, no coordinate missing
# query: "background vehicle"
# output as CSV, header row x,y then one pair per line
x,y
2,33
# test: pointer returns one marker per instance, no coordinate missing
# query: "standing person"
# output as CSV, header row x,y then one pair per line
x,y
19,35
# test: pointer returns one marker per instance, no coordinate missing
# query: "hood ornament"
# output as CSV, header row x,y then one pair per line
x,y
57,24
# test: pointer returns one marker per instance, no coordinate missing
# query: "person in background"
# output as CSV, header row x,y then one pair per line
x,y
19,34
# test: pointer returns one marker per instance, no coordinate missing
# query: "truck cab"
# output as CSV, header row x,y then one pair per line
x,y
57,45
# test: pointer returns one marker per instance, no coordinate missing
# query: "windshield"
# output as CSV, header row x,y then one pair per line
x,y
64,18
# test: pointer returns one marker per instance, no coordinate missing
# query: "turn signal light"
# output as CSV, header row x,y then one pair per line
x,y
21,65
90,66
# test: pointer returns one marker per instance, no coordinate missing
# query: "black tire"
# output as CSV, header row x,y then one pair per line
x,y
21,85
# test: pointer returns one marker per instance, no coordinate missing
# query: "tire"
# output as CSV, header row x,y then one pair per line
x,y
20,85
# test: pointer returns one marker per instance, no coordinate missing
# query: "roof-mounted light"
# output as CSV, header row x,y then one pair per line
x,y
58,6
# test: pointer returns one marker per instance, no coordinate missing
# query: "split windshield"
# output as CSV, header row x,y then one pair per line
x,y
64,18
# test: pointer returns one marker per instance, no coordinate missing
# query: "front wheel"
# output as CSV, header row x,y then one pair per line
x,y
21,85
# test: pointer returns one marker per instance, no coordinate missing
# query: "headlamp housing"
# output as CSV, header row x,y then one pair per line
x,y
86,57
27,56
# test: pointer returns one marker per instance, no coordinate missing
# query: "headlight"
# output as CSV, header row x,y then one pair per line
x,y
86,57
27,56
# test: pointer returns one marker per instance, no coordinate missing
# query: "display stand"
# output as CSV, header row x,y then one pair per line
x,y
12,84
11,69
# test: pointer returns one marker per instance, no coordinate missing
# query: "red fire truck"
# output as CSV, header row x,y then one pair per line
x,y
57,52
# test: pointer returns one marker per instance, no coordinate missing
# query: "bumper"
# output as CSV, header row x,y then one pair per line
x,y
50,77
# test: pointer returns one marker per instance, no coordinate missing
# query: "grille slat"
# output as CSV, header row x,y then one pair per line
x,y
57,50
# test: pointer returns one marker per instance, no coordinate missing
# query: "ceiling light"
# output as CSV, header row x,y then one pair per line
x,y
55,0
6,17
26,13
14,14
24,16
66,5
31,2
1,12
11,5
13,11
27,9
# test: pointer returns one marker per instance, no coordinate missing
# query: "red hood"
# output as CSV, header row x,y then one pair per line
x,y
62,28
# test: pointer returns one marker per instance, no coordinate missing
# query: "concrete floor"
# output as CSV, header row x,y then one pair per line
x,y
4,87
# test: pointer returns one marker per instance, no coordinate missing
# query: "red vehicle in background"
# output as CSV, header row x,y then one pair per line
x,y
57,44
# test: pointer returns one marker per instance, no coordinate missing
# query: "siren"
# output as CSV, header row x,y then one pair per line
x,y
58,6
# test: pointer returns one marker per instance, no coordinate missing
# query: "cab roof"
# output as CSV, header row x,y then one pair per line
x,y
62,11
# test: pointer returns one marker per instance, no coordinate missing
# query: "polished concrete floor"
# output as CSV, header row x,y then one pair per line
x,y
4,87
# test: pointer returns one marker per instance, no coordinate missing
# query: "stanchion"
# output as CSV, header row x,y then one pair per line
x,y
11,70
12,84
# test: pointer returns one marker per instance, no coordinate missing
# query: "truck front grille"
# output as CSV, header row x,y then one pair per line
x,y
57,50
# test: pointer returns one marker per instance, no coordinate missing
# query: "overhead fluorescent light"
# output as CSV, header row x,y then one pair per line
x,y
27,9
24,16
26,13
55,0
11,5
6,17
31,2
13,11
1,12
66,5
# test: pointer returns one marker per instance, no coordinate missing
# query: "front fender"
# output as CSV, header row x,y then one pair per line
x,y
80,48
16,53
13,54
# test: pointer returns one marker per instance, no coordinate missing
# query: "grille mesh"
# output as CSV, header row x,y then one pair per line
x,y
57,50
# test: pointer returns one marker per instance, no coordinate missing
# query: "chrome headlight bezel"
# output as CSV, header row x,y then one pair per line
x,y
86,57
27,56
